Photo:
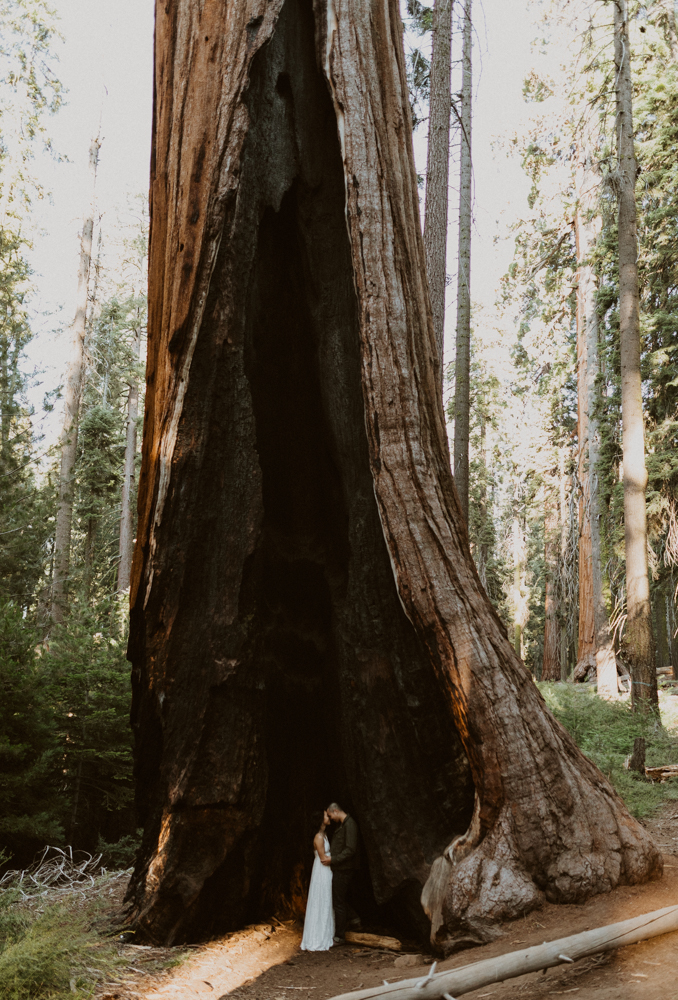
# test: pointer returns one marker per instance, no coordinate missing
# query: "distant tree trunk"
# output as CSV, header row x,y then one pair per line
x,y
126,543
638,639
562,497
671,628
586,650
518,545
69,431
483,546
462,362
595,642
438,168
668,18
306,619
551,669
663,657
587,220
89,553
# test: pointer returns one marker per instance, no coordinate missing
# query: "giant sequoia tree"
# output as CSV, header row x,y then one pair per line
x,y
307,621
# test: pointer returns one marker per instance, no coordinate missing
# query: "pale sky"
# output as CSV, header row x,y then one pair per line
x,y
106,64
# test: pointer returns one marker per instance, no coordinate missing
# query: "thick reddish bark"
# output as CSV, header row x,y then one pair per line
x,y
275,668
307,621
462,356
438,168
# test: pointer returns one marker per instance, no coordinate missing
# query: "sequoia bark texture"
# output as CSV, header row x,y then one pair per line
x,y
462,359
438,169
307,622
638,638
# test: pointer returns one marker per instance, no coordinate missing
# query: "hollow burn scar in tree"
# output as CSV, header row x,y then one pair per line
x,y
262,586
313,685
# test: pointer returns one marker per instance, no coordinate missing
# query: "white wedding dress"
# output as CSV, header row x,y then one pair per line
x,y
319,921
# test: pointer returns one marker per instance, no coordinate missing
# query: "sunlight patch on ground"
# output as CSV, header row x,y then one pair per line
x,y
220,966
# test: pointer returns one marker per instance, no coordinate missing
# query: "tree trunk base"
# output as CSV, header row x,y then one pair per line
x,y
307,622
471,889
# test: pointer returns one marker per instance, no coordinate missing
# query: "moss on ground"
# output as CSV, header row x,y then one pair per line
x,y
605,731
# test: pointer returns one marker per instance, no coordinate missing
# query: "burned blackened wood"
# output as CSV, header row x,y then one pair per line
x,y
307,622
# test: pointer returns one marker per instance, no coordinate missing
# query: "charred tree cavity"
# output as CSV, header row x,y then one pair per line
x,y
275,668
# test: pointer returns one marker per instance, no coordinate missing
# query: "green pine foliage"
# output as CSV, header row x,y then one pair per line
x,y
65,739
24,504
30,766
539,302
90,694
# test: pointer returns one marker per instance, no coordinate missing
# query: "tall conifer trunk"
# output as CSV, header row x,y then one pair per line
x,y
462,363
562,506
588,224
72,390
438,168
551,663
638,639
126,542
595,642
586,646
307,622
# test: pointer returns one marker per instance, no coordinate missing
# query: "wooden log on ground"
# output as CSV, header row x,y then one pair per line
x,y
455,982
662,773
373,941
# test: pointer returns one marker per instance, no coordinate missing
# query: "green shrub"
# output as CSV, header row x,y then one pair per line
x,y
14,920
605,732
120,855
40,958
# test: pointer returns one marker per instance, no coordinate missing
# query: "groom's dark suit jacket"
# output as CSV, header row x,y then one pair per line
x,y
344,847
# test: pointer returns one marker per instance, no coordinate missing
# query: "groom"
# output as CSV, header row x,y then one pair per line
x,y
344,861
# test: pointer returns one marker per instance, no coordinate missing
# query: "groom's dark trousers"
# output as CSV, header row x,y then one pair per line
x,y
341,882
345,863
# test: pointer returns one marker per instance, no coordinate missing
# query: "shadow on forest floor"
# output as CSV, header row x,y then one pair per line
x,y
61,944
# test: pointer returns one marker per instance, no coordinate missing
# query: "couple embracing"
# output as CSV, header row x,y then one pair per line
x,y
333,870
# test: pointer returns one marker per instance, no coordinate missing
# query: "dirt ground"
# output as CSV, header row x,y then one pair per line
x,y
264,962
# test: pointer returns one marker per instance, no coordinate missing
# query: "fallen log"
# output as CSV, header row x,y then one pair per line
x,y
373,941
455,982
662,773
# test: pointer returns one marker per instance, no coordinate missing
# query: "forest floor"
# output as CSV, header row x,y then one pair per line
x,y
264,962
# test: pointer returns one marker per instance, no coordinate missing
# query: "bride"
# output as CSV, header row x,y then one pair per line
x,y
319,922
